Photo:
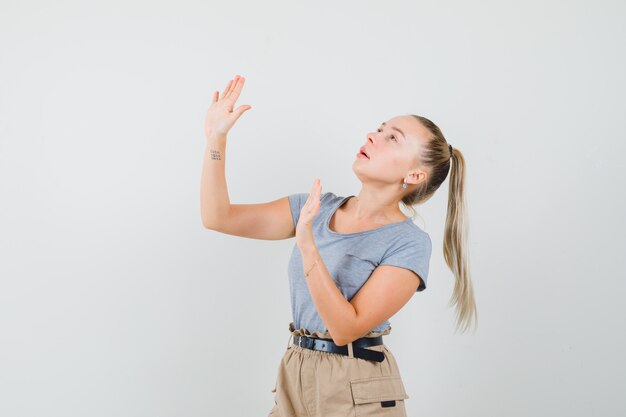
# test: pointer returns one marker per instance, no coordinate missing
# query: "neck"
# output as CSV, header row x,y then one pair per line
x,y
375,208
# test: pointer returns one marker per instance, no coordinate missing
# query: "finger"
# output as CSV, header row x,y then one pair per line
x,y
236,91
240,110
232,86
215,95
227,88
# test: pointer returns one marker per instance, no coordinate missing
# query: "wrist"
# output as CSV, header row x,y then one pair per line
x,y
215,137
308,249
310,259
307,270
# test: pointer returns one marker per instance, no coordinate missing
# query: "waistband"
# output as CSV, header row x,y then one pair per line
x,y
325,335
354,349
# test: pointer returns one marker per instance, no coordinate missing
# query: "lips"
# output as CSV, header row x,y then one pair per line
x,y
363,152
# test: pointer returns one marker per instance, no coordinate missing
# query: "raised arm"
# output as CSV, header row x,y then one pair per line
x,y
269,221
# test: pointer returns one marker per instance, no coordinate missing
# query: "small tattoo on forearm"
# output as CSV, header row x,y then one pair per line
x,y
216,155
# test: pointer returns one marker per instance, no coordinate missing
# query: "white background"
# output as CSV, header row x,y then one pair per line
x,y
114,301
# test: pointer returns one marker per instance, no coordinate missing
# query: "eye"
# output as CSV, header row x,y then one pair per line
x,y
392,136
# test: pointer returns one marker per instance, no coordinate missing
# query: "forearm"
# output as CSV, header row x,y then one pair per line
x,y
214,201
336,312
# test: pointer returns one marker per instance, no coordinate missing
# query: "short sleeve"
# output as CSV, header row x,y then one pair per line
x,y
412,254
296,201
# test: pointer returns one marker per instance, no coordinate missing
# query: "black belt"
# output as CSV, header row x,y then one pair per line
x,y
358,351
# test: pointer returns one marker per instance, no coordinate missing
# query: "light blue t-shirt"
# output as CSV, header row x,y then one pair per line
x,y
351,257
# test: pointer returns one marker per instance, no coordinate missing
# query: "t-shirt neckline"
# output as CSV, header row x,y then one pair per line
x,y
336,207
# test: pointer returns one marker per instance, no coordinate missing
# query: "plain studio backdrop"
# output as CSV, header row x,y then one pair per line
x,y
115,301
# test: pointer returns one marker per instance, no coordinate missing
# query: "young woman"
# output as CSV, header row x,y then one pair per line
x,y
357,260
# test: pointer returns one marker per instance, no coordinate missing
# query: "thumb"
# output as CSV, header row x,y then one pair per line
x,y
241,109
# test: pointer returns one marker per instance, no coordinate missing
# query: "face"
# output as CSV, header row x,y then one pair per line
x,y
392,150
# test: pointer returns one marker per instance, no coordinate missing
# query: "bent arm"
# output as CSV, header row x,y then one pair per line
x,y
268,221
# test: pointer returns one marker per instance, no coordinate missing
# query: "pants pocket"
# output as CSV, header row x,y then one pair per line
x,y
379,396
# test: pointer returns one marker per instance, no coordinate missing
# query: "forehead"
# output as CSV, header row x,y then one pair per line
x,y
411,127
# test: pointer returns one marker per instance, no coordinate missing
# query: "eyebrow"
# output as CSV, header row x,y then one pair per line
x,y
395,128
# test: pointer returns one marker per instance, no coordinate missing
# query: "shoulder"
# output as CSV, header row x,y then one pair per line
x,y
412,239
298,200
325,198
329,198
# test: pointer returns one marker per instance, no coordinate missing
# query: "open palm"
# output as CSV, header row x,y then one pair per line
x,y
221,117
304,228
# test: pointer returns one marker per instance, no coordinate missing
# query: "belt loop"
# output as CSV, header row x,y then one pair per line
x,y
350,351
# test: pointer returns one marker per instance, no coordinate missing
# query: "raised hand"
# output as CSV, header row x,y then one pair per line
x,y
304,228
221,116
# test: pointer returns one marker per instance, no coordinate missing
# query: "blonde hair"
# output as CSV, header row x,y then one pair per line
x,y
436,159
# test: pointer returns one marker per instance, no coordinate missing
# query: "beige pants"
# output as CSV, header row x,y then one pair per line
x,y
313,383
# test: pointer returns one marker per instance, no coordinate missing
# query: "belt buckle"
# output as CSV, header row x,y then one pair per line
x,y
300,341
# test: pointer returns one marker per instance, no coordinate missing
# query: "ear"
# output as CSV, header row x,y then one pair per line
x,y
415,177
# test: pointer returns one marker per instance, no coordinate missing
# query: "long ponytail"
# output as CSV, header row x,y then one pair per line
x,y
455,244
440,162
